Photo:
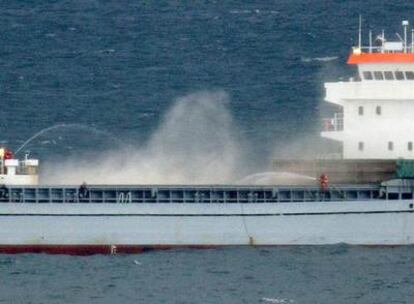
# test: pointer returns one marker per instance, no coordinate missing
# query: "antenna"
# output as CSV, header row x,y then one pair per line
x,y
412,40
360,32
370,41
405,24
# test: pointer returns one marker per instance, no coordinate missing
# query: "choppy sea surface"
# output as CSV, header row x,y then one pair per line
x,y
308,274
170,84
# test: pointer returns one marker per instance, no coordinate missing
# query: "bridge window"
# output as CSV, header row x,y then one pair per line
x,y
406,195
361,110
410,146
367,75
388,75
409,75
393,196
361,146
390,146
378,75
399,75
378,110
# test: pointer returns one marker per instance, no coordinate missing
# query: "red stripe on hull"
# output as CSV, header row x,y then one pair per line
x,y
91,249
82,250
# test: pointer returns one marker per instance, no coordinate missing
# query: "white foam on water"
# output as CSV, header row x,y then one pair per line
x,y
257,11
320,59
276,300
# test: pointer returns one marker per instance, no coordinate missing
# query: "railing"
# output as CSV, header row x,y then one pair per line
x,y
387,47
333,124
22,169
189,194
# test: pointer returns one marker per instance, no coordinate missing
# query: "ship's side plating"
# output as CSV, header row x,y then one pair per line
x,y
37,224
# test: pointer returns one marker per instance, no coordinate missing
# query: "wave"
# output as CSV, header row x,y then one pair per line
x,y
275,300
251,11
319,59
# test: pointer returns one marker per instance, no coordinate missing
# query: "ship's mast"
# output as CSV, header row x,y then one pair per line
x,y
412,41
370,41
405,24
360,33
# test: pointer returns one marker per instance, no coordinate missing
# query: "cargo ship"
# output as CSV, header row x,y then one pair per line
x,y
364,196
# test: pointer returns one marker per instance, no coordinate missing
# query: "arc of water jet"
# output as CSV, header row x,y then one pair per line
x,y
73,125
257,177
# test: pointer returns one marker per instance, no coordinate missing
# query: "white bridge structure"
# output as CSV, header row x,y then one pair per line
x,y
376,109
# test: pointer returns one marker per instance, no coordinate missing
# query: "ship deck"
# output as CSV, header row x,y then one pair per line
x,y
208,194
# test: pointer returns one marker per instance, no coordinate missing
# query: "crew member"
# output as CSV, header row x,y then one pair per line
x,y
323,182
83,191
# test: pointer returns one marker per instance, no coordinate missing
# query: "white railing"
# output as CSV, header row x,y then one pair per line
x,y
22,169
333,124
384,49
402,45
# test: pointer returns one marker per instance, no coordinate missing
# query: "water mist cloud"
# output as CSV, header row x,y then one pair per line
x,y
196,143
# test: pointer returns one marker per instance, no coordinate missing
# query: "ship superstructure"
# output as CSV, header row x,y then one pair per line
x,y
375,120
17,172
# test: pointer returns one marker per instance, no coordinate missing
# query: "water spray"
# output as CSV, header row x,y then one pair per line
x,y
59,126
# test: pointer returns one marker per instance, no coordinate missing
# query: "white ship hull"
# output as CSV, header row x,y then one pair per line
x,y
134,227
